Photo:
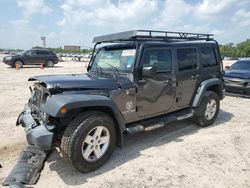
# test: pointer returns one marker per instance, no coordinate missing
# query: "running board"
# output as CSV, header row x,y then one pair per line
x,y
163,121
27,169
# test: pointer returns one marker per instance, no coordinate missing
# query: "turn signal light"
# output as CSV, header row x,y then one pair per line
x,y
63,110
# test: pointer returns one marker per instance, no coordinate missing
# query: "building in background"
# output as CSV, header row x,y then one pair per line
x,y
72,48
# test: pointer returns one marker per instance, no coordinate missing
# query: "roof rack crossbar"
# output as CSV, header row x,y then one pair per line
x,y
152,35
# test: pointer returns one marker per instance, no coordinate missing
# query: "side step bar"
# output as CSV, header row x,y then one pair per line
x,y
27,169
163,121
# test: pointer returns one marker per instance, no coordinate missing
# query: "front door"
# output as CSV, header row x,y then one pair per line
x,y
29,57
156,92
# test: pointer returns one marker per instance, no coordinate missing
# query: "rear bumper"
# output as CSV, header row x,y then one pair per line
x,y
38,135
56,61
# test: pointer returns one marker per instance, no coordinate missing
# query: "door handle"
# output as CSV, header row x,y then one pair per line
x,y
195,77
170,81
167,81
142,81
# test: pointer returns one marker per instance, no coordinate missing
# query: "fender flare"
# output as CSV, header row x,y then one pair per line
x,y
203,87
74,101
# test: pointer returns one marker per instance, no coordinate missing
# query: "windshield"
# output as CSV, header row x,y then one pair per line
x,y
116,60
241,65
22,52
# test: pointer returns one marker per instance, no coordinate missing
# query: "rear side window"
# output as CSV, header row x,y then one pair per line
x,y
40,52
186,59
160,58
208,58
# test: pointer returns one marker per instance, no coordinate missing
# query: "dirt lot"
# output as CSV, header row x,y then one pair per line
x,y
179,155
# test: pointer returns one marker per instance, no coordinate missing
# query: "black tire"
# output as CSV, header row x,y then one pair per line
x,y
50,63
18,63
75,134
200,116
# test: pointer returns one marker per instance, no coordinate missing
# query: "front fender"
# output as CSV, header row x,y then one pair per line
x,y
74,101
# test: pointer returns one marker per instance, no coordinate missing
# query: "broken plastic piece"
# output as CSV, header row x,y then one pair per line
x,y
27,169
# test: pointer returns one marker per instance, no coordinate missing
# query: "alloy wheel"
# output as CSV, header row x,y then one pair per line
x,y
210,109
96,143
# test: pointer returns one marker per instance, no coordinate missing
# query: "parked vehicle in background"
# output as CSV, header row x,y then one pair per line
x,y
32,57
87,56
237,78
5,52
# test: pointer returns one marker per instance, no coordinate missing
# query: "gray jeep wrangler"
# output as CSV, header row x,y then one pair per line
x,y
142,80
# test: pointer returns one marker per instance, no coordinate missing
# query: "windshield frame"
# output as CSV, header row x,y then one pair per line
x,y
113,69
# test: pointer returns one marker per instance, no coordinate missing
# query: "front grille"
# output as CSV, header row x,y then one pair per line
x,y
37,97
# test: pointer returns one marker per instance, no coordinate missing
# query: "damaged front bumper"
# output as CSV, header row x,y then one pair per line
x,y
40,138
39,135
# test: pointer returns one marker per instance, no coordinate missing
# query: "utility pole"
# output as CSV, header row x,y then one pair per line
x,y
43,38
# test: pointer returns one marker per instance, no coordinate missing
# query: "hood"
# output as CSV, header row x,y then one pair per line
x,y
82,81
13,55
245,74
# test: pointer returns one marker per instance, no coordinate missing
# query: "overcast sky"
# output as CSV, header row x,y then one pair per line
x,y
76,22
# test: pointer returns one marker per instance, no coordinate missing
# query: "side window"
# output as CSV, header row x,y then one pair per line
x,y
30,53
47,52
160,58
208,58
40,52
186,59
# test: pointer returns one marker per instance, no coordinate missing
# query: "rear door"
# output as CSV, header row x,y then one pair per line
x,y
42,56
156,95
188,76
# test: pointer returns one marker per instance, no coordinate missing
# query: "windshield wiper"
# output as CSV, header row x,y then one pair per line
x,y
115,69
99,68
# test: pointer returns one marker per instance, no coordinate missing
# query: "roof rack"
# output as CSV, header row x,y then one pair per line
x,y
151,35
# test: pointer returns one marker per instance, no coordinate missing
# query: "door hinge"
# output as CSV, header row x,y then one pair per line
x,y
178,99
137,108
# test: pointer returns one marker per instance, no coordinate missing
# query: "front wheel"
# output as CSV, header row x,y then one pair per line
x,y
89,141
206,113
18,64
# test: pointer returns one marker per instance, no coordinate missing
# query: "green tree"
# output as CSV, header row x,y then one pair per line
x,y
240,50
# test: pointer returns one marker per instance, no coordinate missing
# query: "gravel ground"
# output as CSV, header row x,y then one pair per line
x,y
179,155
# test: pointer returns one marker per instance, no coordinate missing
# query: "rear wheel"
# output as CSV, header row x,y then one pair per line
x,y
89,141
206,113
50,63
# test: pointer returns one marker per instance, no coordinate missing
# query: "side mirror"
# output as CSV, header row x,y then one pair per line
x,y
149,72
227,67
